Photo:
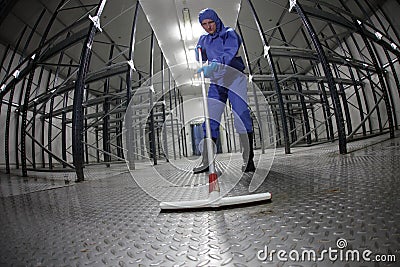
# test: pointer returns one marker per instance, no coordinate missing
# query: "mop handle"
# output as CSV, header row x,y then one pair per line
x,y
207,116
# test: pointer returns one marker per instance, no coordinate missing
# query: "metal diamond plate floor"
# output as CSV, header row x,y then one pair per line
x,y
319,198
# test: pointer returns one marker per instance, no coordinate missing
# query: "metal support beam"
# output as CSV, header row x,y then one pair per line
x,y
77,115
365,35
379,61
35,61
300,89
328,73
130,134
11,97
106,118
152,129
164,132
254,91
171,112
268,56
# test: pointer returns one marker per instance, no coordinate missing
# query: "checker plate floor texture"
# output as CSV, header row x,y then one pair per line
x,y
319,198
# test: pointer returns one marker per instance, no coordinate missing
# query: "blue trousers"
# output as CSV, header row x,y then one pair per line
x,y
237,95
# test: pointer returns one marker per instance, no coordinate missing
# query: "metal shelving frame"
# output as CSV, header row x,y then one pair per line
x,y
334,79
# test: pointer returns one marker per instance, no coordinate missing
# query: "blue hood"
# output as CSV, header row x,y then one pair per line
x,y
208,13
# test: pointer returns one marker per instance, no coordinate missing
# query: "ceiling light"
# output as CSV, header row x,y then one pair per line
x,y
188,24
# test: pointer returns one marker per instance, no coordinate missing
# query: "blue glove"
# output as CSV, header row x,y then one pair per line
x,y
209,70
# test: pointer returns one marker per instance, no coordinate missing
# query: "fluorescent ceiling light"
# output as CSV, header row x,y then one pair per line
x,y
187,24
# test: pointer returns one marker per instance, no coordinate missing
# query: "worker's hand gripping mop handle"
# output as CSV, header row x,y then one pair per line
x,y
213,182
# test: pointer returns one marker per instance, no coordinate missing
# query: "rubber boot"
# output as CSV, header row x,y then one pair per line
x,y
246,141
203,167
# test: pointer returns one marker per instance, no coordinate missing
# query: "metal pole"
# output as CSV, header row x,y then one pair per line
x,y
379,73
120,151
392,68
10,101
51,108
184,143
152,127
300,89
28,90
267,54
382,83
106,118
323,97
1,64
359,78
64,122
227,131
328,73
171,113
130,134
257,106
164,133
352,77
178,134
77,115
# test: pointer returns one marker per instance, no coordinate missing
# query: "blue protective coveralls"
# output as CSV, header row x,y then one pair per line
x,y
228,81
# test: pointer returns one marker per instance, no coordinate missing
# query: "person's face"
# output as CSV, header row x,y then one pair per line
x,y
209,26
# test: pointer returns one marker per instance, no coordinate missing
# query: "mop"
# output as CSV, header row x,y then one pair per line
x,y
214,200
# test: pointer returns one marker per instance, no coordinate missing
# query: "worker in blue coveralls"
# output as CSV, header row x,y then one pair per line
x,y
220,46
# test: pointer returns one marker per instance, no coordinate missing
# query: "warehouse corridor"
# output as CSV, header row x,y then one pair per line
x,y
318,197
